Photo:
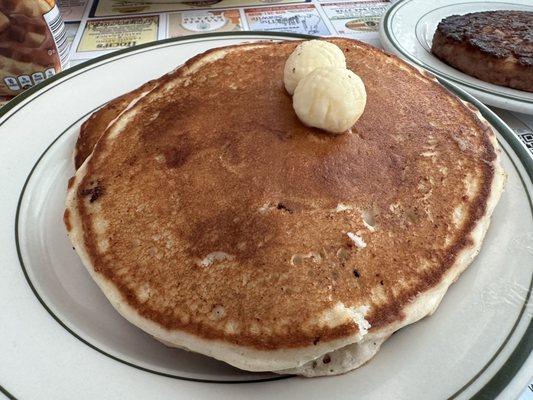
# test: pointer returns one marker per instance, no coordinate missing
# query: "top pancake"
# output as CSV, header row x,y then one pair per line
x,y
214,162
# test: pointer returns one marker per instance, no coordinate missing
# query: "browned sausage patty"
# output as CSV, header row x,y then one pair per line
x,y
494,46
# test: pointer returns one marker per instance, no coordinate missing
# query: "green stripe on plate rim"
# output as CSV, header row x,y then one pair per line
x,y
389,32
6,393
519,355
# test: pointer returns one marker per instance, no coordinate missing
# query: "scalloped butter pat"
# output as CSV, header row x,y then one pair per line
x,y
308,56
331,99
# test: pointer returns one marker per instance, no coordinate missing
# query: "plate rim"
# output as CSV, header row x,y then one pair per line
x,y
517,358
388,39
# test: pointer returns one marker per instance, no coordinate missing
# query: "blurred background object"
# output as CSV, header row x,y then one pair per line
x,y
33,44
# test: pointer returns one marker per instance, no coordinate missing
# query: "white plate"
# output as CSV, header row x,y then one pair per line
x,y
60,339
407,30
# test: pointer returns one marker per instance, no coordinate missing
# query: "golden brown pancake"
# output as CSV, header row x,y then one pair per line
x,y
215,220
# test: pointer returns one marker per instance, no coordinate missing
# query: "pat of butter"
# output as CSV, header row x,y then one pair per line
x,y
331,98
308,56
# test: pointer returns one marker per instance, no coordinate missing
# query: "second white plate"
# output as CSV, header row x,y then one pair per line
x,y
407,30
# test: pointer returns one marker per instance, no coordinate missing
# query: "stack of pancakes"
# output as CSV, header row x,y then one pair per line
x,y
217,222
